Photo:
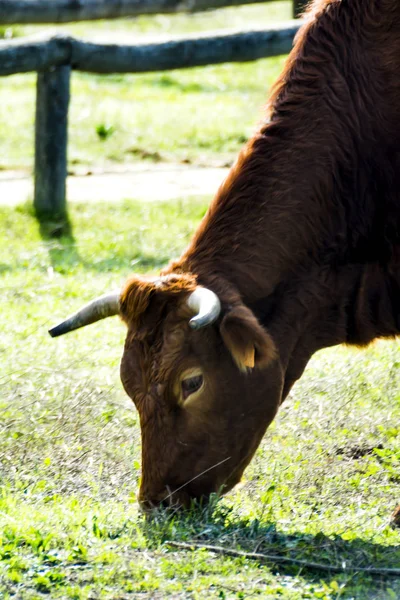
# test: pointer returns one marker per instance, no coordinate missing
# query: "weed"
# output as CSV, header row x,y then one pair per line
x,y
104,131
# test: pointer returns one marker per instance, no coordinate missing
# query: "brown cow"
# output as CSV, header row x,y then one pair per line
x,y
299,250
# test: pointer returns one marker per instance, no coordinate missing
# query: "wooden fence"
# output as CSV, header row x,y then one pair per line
x,y
53,58
19,12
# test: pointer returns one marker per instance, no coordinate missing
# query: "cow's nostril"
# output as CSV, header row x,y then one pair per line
x,y
163,500
148,505
152,502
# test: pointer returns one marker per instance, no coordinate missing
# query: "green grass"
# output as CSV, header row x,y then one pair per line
x,y
201,115
173,24
320,489
326,477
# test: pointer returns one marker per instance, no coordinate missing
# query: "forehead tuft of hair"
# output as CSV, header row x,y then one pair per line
x,y
140,291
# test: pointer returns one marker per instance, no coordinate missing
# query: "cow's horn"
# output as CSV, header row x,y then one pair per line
x,y
206,306
100,308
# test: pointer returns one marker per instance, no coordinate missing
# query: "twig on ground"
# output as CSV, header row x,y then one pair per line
x,y
271,558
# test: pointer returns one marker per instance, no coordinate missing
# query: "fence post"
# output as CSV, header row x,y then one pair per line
x,y
298,7
51,134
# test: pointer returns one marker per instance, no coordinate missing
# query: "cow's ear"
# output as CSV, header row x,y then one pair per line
x,y
248,342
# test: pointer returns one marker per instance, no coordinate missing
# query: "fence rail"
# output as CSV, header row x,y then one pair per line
x,y
46,53
54,58
20,12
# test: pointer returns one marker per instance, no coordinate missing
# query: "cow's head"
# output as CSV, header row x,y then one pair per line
x,y
203,376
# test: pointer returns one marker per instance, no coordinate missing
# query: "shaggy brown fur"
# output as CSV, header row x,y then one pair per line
x,y
301,244
142,293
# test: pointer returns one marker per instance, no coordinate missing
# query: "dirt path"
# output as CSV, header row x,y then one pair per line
x,y
143,182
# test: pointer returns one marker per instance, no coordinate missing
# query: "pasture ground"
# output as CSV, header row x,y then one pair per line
x,y
327,476
200,116
150,182
320,489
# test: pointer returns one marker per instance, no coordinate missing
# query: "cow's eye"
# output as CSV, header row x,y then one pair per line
x,y
190,385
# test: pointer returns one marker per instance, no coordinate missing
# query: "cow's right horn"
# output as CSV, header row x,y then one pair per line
x,y
206,305
107,305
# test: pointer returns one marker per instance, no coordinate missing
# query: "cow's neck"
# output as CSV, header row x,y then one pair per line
x,y
312,186
260,225
294,201
353,304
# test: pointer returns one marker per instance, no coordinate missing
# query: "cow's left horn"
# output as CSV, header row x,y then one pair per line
x,y
100,308
206,305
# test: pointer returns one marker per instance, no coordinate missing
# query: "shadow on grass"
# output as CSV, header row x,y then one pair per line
x,y
318,556
57,233
64,255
